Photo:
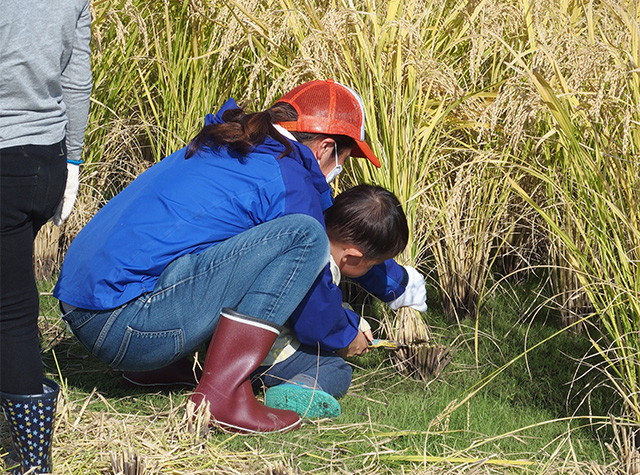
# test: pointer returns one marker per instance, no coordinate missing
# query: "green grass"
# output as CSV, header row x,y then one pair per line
x,y
389,421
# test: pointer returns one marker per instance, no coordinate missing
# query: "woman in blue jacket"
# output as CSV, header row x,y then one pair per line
x,y
220,242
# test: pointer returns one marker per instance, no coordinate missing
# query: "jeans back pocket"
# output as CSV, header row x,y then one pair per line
x,y
145,350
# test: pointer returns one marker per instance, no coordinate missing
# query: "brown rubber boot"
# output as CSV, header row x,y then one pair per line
x,y
178,373
238,346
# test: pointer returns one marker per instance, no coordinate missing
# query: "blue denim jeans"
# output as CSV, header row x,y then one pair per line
x,y
310,368
263,272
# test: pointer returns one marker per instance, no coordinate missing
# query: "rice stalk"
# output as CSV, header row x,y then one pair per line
x,y
128,463
46,251
625,447
523,242
420,358
608,275
470,208
459,460
583,79
604,209
195,63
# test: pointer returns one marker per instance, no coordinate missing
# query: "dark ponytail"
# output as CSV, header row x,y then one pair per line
x,y
239,133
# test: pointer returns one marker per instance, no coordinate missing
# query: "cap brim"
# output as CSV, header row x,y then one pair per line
x,y
362,149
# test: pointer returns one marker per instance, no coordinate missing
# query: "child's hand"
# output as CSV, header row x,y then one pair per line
x,y
358,347
364,327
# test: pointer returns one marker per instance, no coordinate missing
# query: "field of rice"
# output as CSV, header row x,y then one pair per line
x,y
510,131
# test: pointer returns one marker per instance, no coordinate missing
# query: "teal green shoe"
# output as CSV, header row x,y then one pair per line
x,y
309,403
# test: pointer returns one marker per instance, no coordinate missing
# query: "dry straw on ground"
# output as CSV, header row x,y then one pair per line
x,y
163,440
103,435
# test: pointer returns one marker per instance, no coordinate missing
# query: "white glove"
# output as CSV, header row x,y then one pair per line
x,y
415,295
70,193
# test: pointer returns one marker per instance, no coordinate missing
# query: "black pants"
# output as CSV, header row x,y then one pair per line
x,y
32,182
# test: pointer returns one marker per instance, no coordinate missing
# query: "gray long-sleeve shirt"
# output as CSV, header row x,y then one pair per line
x,y
45,73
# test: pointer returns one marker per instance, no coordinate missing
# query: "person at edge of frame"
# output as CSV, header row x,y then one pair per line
x,y
45,86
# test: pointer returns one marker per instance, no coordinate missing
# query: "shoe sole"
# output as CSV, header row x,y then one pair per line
x,y
309,403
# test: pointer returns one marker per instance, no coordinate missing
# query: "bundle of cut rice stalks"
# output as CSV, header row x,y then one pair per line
x,y
417,356
128,463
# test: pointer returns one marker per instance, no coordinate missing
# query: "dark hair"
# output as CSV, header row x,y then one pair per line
x,y
370,217
240,131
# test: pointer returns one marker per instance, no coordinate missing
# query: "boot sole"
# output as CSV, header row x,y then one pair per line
x,y
309,403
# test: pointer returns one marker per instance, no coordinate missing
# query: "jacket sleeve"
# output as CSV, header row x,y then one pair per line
x,y
386,281
320,318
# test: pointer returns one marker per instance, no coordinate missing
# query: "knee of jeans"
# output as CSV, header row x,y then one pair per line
x,y
317,238
335,377
343,375
322,241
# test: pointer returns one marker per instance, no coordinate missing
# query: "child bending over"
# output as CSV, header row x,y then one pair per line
x,y
305,370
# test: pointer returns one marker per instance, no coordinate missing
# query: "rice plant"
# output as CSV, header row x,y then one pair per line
x,y
472,207
598,229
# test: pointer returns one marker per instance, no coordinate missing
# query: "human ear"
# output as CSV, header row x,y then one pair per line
x,y
352,256
326,149
324,152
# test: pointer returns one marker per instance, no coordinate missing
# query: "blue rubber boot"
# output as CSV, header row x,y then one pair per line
x,y
309,403
30,420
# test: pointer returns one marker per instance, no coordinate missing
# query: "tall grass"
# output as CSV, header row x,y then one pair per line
x,y
598,192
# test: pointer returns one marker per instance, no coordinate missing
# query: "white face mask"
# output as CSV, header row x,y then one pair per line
x,y
333,174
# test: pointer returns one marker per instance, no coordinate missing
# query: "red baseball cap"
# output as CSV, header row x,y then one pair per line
x,y
328,107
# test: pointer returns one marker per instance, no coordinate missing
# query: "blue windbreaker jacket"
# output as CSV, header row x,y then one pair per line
x,y
180,207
